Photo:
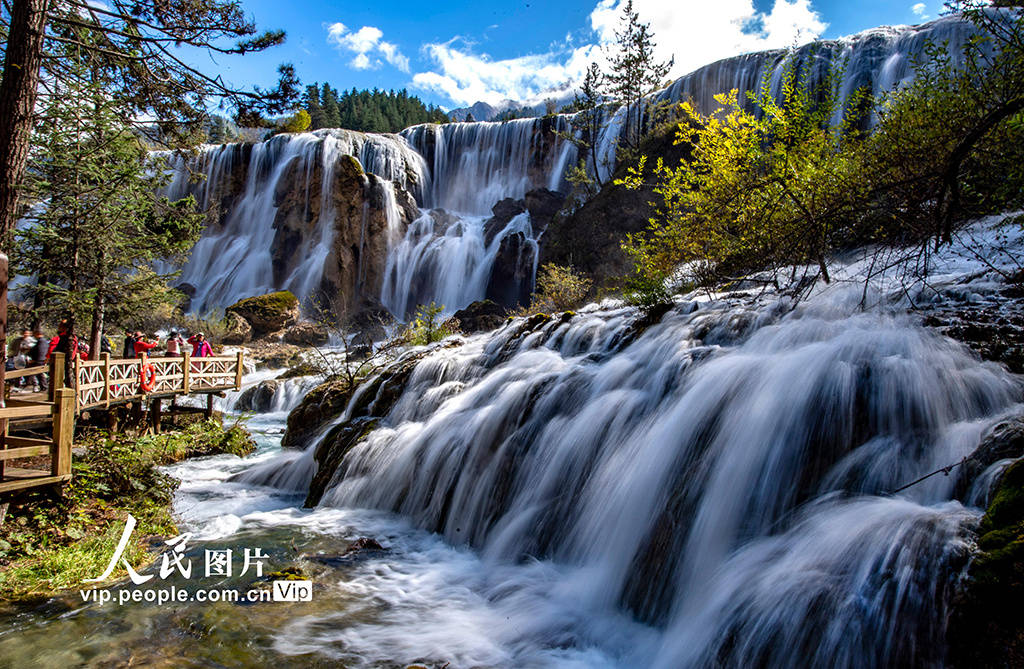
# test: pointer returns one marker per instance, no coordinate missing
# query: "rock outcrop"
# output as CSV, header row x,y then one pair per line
x,y
358,202
258,398
306,334
267,313
481,316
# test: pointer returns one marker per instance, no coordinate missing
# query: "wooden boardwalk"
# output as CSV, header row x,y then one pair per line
x,y
97,384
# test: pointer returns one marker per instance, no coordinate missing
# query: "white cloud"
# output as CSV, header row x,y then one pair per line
x,y
694,32
367,46
919,10
466,77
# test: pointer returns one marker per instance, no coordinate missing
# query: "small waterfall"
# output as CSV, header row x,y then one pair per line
x,y
723,475
447,262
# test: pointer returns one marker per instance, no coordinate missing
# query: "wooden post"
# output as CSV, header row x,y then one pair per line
x,y
3,355
209,405
63,432
186,368
56,374
238,371
143,359
154,415
77,378
105,357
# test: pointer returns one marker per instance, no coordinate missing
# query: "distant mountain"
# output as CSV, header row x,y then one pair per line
x,y
483,111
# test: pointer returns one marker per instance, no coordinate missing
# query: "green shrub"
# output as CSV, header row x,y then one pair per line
x,y
427,327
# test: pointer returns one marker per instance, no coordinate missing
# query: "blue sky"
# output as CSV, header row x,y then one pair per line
x,y
453,53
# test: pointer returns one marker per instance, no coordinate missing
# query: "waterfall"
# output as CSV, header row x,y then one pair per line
x,y
465,169
723,475
722,483
473,166
244,186
477,164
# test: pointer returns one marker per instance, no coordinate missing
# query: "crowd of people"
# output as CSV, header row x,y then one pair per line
x,y
34,348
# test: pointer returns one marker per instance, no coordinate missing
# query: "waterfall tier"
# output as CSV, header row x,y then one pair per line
x,y
462,168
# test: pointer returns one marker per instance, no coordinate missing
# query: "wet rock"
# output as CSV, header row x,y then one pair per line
x,y
481,316
306,334
511,280
986,627
502,214
373,401
993,329
442,220
237,329
267,313
274,354
321,405
258,398
302,369
364,544
543,205
1005,440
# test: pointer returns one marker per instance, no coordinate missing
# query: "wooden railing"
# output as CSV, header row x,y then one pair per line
x,y
59,411
107,381
98,383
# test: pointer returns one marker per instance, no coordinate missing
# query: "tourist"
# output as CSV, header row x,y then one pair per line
x,y
175,342
64,342
38,355
200,347
142,345
129,345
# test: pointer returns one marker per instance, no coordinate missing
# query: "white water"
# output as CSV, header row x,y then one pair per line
x,y
234,258
723,477
713,491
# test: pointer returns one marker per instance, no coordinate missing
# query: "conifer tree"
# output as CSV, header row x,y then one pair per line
x,y
634,73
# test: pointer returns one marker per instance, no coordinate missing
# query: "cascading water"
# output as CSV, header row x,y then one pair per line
x,y
234,258
474,166
465,168
723,475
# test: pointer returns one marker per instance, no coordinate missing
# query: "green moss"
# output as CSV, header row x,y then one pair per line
x,y
265,307
353,164
987,625
302,369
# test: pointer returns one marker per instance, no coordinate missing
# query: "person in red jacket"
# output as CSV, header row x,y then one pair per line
x,y
143,346
200,347
63,342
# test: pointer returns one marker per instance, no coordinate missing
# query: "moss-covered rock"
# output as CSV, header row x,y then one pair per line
x,y
267,313
318,407
481,316
237,330
987,625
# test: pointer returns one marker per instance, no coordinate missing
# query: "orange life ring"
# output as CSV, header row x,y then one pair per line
x,y
147,378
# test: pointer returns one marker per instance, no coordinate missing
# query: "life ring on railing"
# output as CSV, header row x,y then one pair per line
x,y
147,378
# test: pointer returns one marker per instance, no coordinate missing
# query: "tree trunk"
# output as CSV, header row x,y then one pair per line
x,y
18,87
98,312
18,90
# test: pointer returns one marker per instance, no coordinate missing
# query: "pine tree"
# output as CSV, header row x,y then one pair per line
x,y
634,74
329,101
311,103
102,225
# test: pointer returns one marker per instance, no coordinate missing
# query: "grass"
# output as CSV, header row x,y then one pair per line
x,y
50,541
